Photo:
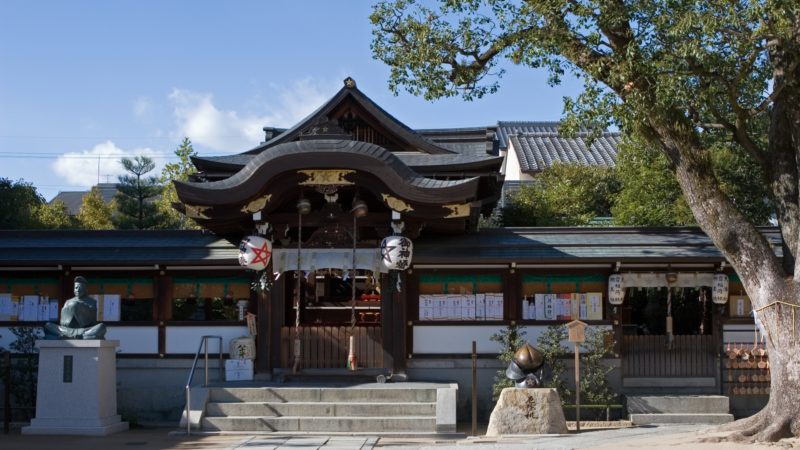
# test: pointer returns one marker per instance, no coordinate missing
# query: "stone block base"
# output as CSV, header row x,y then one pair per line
x,y
527,411
113,425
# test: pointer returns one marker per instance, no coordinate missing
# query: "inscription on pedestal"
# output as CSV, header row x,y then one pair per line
x,y
67,368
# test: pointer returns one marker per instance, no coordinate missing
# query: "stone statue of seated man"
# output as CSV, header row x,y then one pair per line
x,y
78,317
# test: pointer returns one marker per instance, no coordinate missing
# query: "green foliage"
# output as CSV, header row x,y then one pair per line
x,y
178,171
510,339
19,203
743,180
136,194
650,194
564,194
595,388
25,368
95,213
54,216
549,343
706,89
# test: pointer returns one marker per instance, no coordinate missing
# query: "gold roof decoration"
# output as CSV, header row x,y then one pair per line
x,y
457,210
396,204
197,211
335,177
257,204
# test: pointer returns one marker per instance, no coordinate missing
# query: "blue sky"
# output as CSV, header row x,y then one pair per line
x,y
85,82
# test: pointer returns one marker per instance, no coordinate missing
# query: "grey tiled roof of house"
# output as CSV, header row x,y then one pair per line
x,y
539,145
73,199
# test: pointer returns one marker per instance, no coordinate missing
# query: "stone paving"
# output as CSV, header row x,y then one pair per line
x,y
305,443
161,439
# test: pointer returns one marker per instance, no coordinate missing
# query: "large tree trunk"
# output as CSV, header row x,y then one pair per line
x,y
761,272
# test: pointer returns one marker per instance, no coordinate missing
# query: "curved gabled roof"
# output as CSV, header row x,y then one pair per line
x,y
249,182
400,130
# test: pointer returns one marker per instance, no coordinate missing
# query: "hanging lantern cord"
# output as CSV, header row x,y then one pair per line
x,y
297,352
353,299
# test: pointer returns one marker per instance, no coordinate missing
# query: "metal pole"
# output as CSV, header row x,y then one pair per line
x,y
474,389
7,395
188,422
220,364
205,366
577,387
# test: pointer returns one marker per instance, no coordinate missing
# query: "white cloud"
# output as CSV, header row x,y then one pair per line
x,y
142,107
205,124
81,168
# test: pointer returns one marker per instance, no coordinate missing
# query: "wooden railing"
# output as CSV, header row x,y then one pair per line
x,y
327,347
648,356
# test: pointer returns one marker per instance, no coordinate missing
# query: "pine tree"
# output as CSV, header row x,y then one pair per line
x,y
135,199
95,213
178,171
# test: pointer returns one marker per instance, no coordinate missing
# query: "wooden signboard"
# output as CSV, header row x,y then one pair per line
x,y
576,330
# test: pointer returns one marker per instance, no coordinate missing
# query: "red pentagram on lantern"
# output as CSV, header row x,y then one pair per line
x,y
262,255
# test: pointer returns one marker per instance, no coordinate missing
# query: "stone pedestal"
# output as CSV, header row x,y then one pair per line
x,y
527,411
77,390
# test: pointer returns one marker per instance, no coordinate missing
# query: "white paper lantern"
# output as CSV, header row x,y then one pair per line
x,y
396,252
719,291
616,292
255,252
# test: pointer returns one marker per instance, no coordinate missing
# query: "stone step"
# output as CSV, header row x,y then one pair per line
x,y
679,404
658,419
320,409
271,394
375,425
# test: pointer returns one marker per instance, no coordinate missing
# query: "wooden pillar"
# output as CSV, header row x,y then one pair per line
x,y
162,305
388,324
277,307
719,341
400,302
264,337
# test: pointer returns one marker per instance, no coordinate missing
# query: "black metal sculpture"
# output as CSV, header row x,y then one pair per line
x,y
522,369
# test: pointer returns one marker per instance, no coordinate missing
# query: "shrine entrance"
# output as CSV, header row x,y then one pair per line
x,y
326,194
329,316
668,333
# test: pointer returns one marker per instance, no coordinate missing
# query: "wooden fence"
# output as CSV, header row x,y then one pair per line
x,y
648,356
327,347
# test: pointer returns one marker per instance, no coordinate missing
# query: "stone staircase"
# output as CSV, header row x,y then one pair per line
x,y
683,409
375,409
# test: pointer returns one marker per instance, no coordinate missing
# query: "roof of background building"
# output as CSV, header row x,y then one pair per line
x,y
74,199
539,145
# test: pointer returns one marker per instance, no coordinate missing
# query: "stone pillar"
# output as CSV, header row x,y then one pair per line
x,y
77,390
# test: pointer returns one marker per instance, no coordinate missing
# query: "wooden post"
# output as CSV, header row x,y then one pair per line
x,y
474,389
576,334
577,387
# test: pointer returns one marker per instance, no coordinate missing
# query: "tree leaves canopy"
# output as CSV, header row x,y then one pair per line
x,y
178,171
95,213
19,201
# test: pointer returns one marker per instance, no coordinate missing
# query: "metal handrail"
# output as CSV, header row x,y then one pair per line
x,y
203,343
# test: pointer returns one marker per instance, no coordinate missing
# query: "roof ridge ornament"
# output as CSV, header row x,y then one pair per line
x,y
349,83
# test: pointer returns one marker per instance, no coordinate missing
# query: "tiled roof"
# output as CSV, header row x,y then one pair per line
x,y
539,151
558,245
142,247
539,145
575,245
74,199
